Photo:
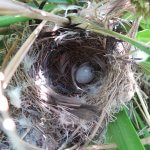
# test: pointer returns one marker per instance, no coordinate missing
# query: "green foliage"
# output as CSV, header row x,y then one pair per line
x,y
123,133
144,35
145,66
145,23
142,7
49,7
8,20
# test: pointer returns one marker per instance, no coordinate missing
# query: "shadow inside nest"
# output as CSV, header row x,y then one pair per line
x,y
70,51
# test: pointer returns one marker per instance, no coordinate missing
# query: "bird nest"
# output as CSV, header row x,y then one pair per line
x,y
66,81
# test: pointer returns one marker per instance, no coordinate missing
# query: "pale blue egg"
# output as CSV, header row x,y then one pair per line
x,y
84,74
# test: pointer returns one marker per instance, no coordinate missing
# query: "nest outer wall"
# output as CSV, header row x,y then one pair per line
x,y
53,105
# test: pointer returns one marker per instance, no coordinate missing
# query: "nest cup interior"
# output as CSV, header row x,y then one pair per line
x,y
73,60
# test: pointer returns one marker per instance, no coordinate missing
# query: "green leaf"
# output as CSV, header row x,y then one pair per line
x,y
145,24
145,66
49,7
123,133
129,16
8,20
144,35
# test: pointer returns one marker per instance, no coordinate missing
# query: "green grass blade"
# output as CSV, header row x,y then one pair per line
x,y
145,24
85,24
123,133
8,20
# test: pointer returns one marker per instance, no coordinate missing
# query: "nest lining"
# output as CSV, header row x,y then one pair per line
x,y
61,111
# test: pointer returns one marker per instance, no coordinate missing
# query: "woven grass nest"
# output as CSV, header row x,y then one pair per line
x,y
70,80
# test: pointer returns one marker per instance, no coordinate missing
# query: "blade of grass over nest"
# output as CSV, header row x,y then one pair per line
x,y
9,20
8,7
16,60
85,24
123,133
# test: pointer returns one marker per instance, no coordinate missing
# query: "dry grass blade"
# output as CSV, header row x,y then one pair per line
x,y
144,141
8,7
100,147
14,63
11,50
64,145
101,119
143,105
140,108
133,31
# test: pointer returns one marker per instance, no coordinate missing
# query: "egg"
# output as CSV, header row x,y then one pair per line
x,y
84,74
